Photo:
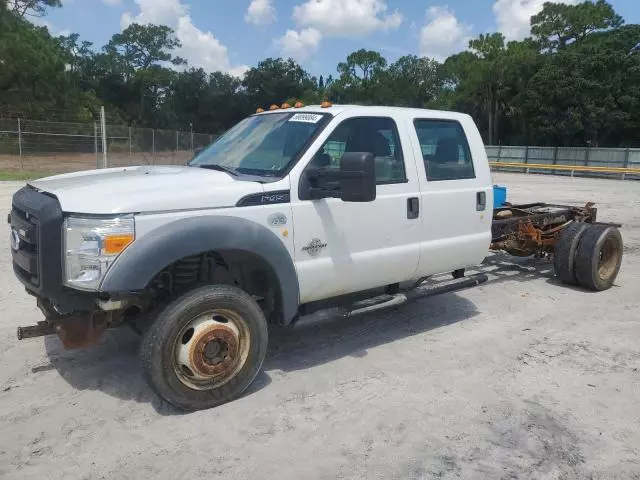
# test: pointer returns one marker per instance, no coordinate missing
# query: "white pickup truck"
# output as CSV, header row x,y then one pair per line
x,y
289,208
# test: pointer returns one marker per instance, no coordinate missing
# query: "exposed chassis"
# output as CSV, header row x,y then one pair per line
x,y
533,229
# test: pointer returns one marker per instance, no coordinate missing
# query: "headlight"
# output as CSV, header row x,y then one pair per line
x,y
91,245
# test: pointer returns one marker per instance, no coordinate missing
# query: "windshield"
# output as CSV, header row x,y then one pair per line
x,y
262,144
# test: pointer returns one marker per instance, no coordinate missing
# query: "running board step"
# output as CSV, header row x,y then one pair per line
x,y
381,302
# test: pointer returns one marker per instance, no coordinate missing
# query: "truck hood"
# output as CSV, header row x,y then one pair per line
x,y
145,189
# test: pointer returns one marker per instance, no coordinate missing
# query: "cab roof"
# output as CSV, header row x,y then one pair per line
x,y
336,110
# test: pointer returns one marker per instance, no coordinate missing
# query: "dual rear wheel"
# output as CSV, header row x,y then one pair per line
x,y
588,255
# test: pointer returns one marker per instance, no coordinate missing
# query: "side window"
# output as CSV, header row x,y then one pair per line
x,y
377,135
445,150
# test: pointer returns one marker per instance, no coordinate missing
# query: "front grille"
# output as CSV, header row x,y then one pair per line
x,y
36,224
25,257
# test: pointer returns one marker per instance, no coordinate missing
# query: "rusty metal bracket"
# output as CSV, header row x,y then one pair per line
x,y
75,331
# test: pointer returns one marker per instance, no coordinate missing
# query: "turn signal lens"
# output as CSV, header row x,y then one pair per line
x,y
114,244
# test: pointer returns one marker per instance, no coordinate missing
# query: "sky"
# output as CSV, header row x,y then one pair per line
x,y
233,35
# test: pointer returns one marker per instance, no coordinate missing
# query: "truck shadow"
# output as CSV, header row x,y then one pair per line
x,y
112,366
314,343
501,267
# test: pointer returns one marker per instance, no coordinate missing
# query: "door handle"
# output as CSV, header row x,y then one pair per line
x,y
481,201
413,208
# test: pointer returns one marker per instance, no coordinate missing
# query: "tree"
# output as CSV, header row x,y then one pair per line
x,y
34,8
478,76
33,76
585,93
138,54
559,24
140,46
362,79
79,57
274,80
414,81
362,65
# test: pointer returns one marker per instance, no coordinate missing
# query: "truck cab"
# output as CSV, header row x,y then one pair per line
x,y
289,207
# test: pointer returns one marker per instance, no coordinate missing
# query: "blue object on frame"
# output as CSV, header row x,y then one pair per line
x,y
499,196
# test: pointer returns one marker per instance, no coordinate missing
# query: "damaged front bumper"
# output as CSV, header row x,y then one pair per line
x,y
78,318
76,330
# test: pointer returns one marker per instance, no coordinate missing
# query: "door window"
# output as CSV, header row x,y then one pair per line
x,y
445,150
376,135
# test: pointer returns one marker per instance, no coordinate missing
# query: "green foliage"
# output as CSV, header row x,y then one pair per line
x,y
274,80
575,81
559,24
33,76
35,8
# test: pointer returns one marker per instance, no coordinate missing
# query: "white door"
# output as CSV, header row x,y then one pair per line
x,y
343,247
456,194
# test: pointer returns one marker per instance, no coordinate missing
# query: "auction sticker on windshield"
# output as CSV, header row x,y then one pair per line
x,y
306,117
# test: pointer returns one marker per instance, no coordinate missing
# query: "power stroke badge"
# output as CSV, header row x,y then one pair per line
x,y
314,247
277,219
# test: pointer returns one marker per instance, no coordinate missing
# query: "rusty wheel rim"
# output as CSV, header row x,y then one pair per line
x,y
608,259
211,349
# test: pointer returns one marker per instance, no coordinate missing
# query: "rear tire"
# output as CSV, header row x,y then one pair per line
x,y
565,252
205,348
598,257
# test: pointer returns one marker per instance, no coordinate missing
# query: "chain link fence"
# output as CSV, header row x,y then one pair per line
x,y
47,147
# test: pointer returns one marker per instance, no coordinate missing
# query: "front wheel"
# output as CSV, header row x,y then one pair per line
x,y
205,348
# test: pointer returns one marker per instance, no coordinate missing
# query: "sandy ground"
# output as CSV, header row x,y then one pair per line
x,y
518,378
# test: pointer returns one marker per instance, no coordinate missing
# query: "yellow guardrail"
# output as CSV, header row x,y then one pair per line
x,y
568,168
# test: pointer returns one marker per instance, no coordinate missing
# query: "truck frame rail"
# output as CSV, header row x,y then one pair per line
x,y
534,228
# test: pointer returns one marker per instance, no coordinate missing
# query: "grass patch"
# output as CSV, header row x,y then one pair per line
x,y
8,175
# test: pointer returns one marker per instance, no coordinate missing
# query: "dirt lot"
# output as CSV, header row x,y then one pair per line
x,y
72,162
517,378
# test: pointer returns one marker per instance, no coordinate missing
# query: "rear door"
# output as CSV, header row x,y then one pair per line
x,y
456,193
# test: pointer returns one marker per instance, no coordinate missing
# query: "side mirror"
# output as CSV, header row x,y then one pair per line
x,y
357,177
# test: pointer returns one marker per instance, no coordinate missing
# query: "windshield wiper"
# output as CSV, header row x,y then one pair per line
x,y
220,168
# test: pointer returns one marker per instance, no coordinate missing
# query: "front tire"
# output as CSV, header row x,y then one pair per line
x,y
205,348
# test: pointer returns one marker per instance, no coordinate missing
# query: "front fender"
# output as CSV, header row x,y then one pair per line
x,y
147,256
